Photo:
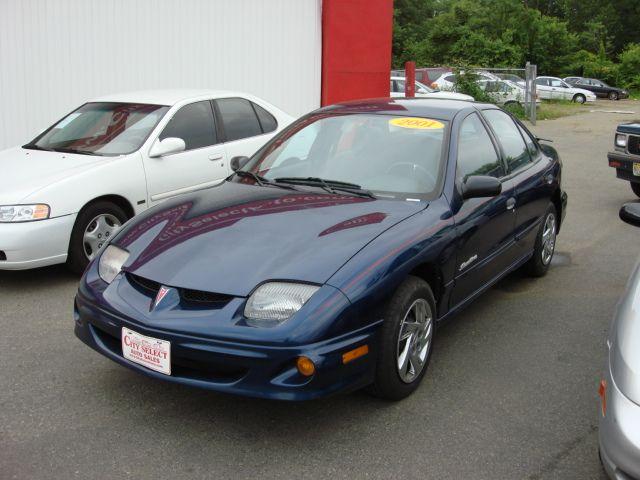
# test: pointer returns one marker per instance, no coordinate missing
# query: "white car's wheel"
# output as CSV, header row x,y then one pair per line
x,y
95,225
579,98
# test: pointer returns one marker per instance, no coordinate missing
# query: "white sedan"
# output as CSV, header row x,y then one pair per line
x,y
554,88
71,188
397,87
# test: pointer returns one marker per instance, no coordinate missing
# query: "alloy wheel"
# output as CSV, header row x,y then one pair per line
x,y
548,238
414,340
98,231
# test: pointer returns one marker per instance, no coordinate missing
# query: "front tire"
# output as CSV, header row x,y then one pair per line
x,y
636,188
406,340
96,224
579,98
613,95
545,244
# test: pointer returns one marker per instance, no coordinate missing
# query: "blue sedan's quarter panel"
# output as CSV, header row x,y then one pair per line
x,y
230,238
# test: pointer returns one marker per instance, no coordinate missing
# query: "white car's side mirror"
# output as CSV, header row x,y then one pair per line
x,y
167,146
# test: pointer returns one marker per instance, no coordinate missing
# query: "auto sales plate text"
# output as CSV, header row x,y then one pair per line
x,y
150,352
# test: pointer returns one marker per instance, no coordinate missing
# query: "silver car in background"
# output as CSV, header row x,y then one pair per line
x,y
620,384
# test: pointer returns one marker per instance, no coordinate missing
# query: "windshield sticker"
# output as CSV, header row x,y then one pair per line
x,y
419,123
68,119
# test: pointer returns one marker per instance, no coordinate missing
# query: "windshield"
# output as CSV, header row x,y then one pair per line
x,y
101,128
390,156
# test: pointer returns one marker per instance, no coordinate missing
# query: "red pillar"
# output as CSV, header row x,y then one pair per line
x,y
410,75
356,49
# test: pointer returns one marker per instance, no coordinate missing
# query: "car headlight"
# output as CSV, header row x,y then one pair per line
x,y
621,140
111,262
274,302
24,213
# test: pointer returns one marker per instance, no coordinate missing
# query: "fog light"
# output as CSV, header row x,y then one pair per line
x,y
305,366
602,391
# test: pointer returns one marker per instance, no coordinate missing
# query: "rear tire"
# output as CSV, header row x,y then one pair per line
x,y
636,188
579,98
544,248
80,253
613,95
406,342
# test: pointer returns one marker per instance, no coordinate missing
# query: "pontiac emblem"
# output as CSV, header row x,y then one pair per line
x,y
161,294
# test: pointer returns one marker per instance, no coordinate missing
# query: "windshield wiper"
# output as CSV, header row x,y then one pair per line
x,y
71,150
260,180
33,146
331,186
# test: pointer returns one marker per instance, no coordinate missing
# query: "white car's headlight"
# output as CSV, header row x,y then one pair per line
x,y
111,262
621,140
24,213
274,302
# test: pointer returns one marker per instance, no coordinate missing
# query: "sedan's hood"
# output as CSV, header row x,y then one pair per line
x,y
26,171
624,339
230,238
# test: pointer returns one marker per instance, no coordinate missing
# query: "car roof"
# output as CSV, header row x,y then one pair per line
x,y
166,97
440,108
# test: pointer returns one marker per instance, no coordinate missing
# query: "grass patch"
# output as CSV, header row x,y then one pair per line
x,y
549,110
634,94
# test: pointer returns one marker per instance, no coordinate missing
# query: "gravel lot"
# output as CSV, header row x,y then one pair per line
x,y
511,391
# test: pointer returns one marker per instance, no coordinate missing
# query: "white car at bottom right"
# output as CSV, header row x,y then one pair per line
x,y
554,88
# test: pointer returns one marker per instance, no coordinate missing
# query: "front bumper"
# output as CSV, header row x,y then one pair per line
x,y
623,163
35,244
619,434
249,369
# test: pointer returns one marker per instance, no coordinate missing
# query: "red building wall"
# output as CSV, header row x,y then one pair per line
x,y
356,49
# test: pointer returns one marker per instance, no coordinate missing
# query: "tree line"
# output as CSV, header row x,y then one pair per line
x,y
592,38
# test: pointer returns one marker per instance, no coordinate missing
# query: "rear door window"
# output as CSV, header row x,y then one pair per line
x,y
508,134
238,118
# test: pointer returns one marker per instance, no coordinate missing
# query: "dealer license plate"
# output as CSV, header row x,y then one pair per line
x,y
152,353
636,169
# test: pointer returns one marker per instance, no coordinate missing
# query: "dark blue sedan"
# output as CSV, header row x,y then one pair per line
x,y
326,261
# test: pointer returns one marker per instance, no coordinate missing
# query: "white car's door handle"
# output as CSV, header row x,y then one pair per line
x,y
215,156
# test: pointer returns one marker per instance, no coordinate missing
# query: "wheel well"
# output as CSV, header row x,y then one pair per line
x,y
430,274
579,95
122,202
557,202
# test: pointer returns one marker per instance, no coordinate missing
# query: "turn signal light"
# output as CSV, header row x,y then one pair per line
x,y
355,353
602,391
305,366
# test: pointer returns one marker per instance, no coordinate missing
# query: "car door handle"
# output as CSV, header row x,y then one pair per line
x,y
511,203
215,156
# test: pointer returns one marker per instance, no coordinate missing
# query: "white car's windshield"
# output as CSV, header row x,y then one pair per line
x,y
392,156
101,128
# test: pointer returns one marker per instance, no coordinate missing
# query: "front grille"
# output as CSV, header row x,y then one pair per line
x,y
633,144
187,296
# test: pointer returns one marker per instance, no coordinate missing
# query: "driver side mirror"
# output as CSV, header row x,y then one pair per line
x,y
238,162
167,146
630,213
477,186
